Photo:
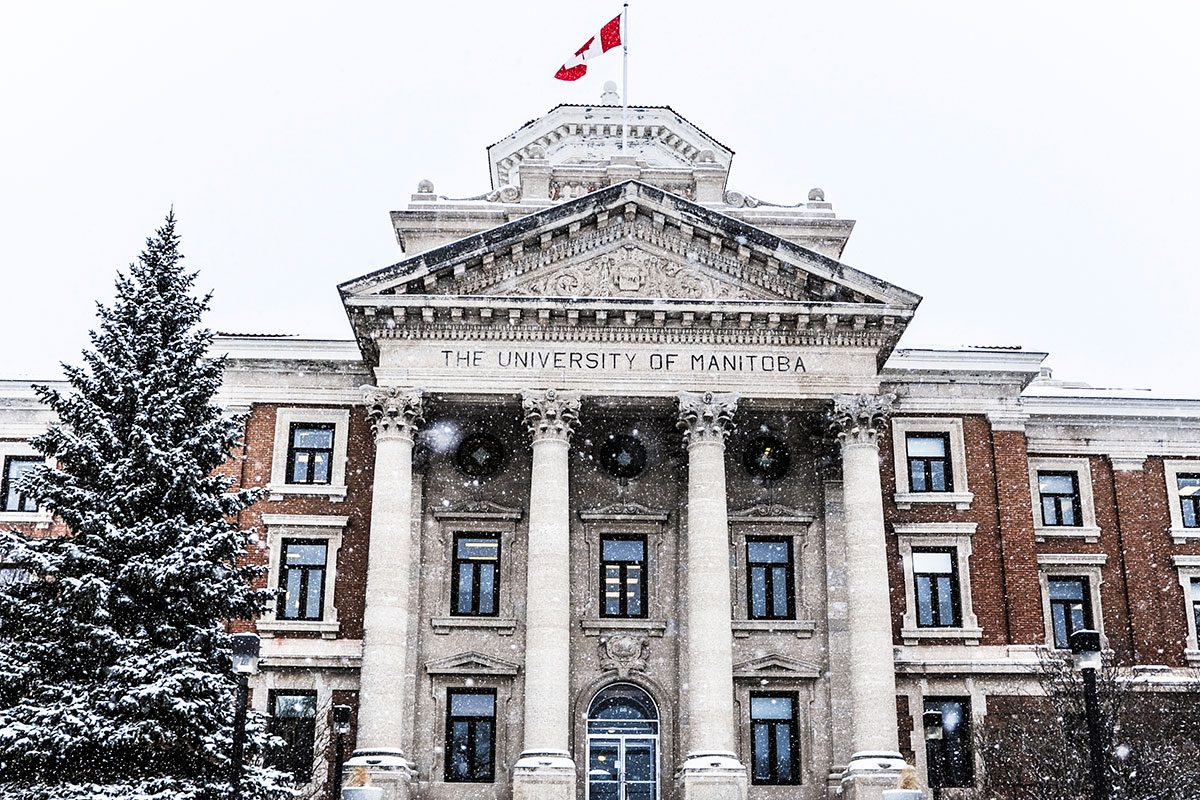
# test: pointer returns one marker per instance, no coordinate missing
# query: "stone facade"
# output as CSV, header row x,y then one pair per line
x,y
595,297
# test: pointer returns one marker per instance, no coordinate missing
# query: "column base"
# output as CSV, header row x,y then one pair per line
x,y
869,775
712,776
544,775
385,768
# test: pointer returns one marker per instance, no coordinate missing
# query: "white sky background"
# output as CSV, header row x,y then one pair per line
x,y
1030,168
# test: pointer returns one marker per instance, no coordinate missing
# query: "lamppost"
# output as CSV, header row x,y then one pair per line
x,y
245,664
1085,649
934,733
341,727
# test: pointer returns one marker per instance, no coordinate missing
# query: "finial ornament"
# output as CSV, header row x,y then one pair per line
x,y
858,418
393,412
550,414
706,417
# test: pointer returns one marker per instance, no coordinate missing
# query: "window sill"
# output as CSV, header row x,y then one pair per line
x,y
328,630
1090,534
1192,657
336,494
970,636
1183,535
595,626
41,519
961,500
802,628
505,626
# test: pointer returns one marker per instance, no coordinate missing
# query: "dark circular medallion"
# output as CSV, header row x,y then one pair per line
x,y
480,455
623,456
767,457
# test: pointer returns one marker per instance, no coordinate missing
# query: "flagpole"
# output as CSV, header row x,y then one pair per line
x,y
625,81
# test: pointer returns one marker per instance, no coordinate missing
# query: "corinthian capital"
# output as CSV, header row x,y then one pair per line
x,y
858,418
550,414
705,417
393,412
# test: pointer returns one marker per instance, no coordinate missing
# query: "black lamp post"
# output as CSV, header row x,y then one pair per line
x,y
245,664
341,727
1085,648
934,736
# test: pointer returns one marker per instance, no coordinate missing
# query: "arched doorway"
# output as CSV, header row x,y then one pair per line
x,y
622,743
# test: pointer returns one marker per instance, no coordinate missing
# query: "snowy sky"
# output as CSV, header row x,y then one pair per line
x,y
1030,168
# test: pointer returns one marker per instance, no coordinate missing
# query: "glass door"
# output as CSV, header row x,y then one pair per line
x,y
623,768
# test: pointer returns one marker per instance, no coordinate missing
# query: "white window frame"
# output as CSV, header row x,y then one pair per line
x,y
1089,531
1072,565
943,535
284,418
1171,470
327,529
22,449
905,498
1189,570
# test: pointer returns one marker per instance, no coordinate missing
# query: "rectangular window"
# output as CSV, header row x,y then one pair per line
x,y
1070,608
929,462
475,583
14,468
310,452
952,762
1196,604
622,576
1189,498
294,719
302,579
1060,499
771,578
470,735
935,573
774,738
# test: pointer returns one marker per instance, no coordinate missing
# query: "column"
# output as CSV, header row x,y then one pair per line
x,y
711,770
875,763
545,770
383,705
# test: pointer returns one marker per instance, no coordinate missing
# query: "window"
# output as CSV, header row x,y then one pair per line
x,y
929,467
1070,608
622,575
771,578
952,763
935,580
1188,486
14,468
1059,493
310,453
774,738
294,719
302,579
470,735
475,583
1196,602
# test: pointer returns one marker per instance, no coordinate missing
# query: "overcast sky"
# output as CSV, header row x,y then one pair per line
x,y
1030,168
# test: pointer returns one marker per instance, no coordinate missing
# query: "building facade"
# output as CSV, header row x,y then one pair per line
x,y
623,490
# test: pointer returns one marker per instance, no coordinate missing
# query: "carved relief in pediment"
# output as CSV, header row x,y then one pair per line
x,y
629,272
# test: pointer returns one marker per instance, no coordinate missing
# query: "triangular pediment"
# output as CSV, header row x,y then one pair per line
x,y
778,667
471,663
630,241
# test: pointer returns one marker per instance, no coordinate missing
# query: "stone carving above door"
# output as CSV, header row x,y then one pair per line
x,y
629,272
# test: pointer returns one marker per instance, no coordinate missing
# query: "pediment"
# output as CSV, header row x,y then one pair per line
x,y
776,666
471,663
630,241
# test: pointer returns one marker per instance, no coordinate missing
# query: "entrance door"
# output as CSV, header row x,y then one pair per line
x,y
622,745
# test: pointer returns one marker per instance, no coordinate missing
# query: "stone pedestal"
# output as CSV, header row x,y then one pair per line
x,y
711,770
391,774
545,770
383,705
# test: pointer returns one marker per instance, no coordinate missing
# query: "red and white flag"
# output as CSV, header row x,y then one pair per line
x,y
608,38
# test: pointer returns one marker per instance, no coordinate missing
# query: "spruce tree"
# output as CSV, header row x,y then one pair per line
x,y
115,677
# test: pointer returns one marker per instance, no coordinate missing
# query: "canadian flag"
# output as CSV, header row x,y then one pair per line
x,y
608,38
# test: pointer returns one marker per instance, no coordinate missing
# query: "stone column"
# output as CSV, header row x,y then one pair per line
x,y
545,770
383,704
712,770
875,763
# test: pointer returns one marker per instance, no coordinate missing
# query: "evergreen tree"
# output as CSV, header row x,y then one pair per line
x,y
115,677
